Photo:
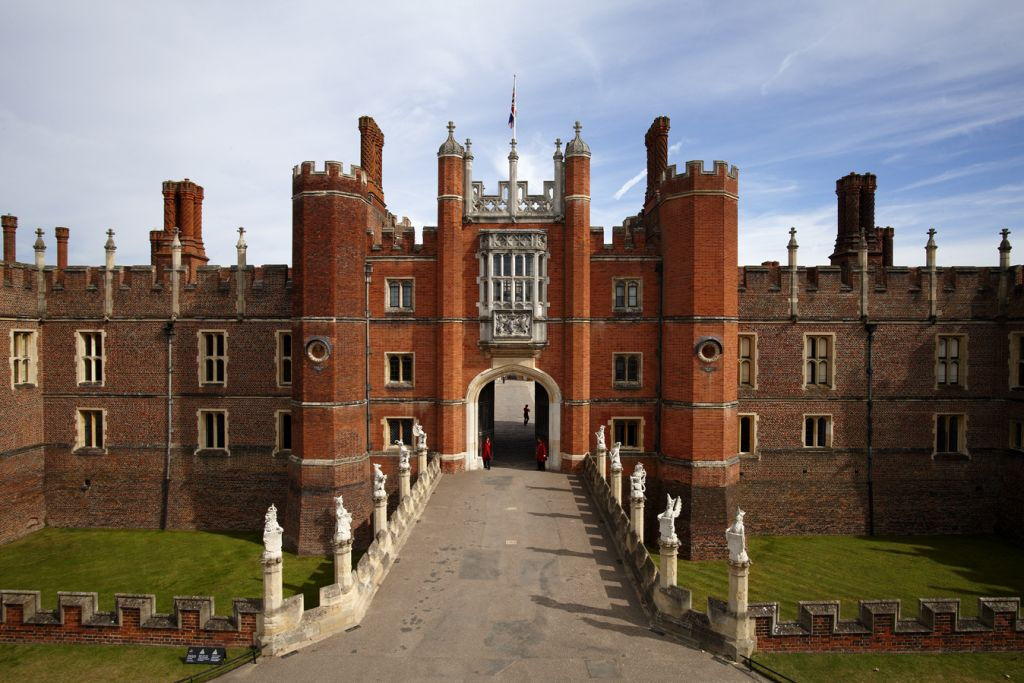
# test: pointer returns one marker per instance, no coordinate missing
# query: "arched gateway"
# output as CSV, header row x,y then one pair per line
x,y
554,411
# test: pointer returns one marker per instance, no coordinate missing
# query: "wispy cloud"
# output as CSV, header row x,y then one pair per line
x,y
962,172
628,185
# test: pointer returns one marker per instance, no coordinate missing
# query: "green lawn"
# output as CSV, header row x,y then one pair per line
x,y
850,568
953,668
97,663
165,563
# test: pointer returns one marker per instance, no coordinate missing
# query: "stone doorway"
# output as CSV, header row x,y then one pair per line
x,y
495,403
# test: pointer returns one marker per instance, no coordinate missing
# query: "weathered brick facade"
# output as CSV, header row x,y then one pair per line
x,y
561,324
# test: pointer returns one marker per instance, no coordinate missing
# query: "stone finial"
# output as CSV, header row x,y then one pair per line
x,y
469,145
667,520
176,242
792,239
576,146
558,148
39,244
272,535
736,538
1004,245
241,245
343,522
451,146
110,246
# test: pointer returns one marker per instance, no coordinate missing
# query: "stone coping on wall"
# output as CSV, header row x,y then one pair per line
x,y
879,627
342,607
134,620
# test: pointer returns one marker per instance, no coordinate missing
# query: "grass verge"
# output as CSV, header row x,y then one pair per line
x,y
851,568
909,668
165,563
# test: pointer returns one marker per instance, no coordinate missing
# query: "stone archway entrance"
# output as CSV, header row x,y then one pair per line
x,y
546,412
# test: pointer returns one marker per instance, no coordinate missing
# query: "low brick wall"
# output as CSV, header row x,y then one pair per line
x,y
879,627
133,621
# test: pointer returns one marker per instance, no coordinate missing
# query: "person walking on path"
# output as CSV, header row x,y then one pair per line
x,y
542,454
487,453
526,414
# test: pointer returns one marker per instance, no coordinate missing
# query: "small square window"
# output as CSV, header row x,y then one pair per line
x,y
628,431
818,360
90,429
90,357
400,368
817,431
398,428
284,358
23,357
213,358
627,369
748,360
626,294
399,295
950,353
213,430
747,433
950,434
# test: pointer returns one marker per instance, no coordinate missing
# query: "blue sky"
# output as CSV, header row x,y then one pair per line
x,y
100,102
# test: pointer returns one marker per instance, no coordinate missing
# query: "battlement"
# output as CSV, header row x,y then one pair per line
x,y
134,620
306,177
697,177
879,627
695,167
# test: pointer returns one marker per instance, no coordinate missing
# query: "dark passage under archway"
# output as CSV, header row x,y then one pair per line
x,y
500,417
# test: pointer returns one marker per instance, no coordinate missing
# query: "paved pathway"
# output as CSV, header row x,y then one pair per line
x,y
509,575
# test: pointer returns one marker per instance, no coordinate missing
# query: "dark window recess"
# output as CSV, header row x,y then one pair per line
x,y
399,428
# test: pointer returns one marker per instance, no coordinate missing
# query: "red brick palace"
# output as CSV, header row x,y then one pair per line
x,y
842,399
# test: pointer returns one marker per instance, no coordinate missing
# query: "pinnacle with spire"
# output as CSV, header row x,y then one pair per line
x,y
576,146
451,146
1004,245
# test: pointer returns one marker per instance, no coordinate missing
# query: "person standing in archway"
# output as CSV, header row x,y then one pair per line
x,y
487,453
542,454
526,414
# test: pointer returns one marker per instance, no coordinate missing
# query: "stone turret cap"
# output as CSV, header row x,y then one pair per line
x,y
576,146
1004,245
39,244
451,146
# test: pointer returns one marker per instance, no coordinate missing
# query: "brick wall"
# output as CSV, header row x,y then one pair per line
x,y
134,621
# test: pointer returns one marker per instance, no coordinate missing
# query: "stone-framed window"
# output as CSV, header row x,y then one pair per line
x,y
627,369
629,431
397,428
282,431
950,433
951,360
213,357
747,433
747,351
817,431
213,430
399,295
819,360
90,351
1017,360
284,358
399,369
24,358
513,286
91,429
627,295
1017,435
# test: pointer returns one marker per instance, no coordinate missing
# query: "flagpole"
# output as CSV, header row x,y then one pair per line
x,y
514,121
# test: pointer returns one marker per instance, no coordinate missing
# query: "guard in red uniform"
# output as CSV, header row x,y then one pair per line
x,y
542,454
487,453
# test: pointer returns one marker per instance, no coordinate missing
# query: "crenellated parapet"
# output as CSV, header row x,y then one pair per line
x,y
331,178
721,177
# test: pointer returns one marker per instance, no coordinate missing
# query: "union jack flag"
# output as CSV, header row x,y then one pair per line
x,y
512,114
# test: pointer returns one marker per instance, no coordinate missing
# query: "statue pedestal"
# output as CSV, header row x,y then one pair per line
x,y
421,462
668,571
636,510
343,564
403,483
380,515
273,590
616,484
599,461
736,624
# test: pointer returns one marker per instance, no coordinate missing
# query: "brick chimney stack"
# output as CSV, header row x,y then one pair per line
x,y
62,251
656,141
10,225
183,210
856,208
371,150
